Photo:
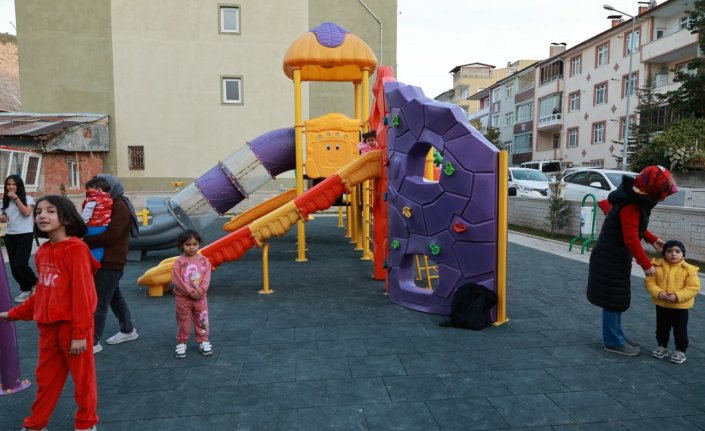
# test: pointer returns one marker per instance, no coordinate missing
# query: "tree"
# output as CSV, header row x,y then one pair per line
x,y
640,149
688,100
683,144
489,132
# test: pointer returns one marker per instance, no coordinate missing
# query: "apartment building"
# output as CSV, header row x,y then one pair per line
x,y
471,78
183,85
512,112
583,93
483,113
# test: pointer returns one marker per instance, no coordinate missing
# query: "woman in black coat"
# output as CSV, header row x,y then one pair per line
x,y
609,280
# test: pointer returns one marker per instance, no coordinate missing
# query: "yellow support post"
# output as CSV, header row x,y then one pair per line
x,y
353,216
340,216
298,136
428,167
265,270
502,192
366,254
358,218
144,215
348,217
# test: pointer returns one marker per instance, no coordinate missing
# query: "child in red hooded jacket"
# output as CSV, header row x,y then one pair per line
x,y
62,305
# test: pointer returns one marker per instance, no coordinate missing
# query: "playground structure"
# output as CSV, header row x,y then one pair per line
x,y
457,223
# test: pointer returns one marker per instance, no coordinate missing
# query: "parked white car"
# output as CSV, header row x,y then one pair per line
x,y
598,182
529,182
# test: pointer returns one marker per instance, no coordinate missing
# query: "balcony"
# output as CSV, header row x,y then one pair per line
x,y
678,46
481,113
549,123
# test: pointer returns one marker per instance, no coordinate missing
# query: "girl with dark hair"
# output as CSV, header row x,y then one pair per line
x,y
63,307
191,277
17,210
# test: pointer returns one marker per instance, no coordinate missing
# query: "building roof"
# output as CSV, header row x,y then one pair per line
x,y
329,53
457,68
41,125
667,7
485,92
49,132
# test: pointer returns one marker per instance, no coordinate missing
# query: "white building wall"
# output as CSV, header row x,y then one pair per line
x,y
155,52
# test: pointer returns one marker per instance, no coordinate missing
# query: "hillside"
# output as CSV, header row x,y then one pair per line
x,y
9,74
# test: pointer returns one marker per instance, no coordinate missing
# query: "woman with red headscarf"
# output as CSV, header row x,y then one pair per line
x,y
609,279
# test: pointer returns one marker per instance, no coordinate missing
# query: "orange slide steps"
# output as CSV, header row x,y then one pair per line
x,y
277,222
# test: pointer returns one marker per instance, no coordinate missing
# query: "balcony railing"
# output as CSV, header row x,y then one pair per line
x,y
553,78
549,120
671,48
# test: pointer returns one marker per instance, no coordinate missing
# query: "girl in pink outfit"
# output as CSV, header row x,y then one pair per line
x,y
191,276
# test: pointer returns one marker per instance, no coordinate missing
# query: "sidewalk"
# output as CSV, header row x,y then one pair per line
x,y
328,351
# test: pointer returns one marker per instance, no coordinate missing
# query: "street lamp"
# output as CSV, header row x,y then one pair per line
x,y
628,87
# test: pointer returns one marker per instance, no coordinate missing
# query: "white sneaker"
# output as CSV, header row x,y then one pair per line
x,y
97,348
121,338
22,297
205,348
180,350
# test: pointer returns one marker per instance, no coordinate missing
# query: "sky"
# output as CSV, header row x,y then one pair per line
x,y
435,36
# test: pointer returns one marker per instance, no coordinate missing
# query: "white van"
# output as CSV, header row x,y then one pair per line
x,y
548,167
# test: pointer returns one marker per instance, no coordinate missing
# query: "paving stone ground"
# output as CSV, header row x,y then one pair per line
x,y
328,351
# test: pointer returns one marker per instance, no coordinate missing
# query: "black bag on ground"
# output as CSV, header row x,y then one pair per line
x,y
470,307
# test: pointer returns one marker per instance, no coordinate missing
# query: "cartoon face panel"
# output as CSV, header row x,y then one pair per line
x,y
331,142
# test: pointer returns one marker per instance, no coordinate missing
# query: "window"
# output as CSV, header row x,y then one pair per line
x,y
16,163
600,93
661,78
509,119
135,158
603,55
22,163
495,121
573,137
623,127
74,175
32,172
509,90
229,19
684,22
551,72
574,100
524,112
660,32
508,146
550,108
522,143
598,132
632,41
629,84
576,65
232,90
557,143
496,94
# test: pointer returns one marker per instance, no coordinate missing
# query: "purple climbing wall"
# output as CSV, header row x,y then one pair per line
x,y
452,221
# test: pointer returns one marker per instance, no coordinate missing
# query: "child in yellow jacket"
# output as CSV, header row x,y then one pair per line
x,y
673,290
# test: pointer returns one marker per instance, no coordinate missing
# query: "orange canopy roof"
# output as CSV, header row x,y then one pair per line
x,y
329,53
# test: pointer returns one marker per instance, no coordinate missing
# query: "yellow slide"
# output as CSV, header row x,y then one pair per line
x,y
280,213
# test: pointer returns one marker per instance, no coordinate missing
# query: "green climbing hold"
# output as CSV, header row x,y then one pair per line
x,y
395,121
449,169
437,158
395,244
435,249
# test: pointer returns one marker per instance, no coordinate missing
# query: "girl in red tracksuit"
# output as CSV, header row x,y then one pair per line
x,y
62,305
